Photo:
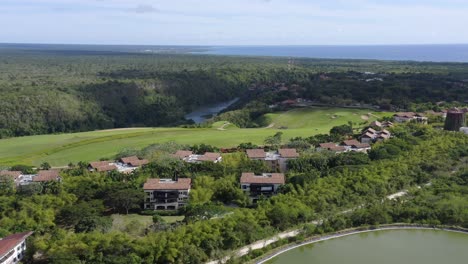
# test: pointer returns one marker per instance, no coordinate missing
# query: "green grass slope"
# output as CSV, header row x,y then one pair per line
x,y
61,149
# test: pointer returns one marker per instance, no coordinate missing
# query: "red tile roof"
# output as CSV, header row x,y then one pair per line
x,y
288,153
368,135
108,167
256,153
13,174
376,124
164,184
98,164
134,161
362,145
10,242
371,130
350,143
268,178
46,175
183,153
209,156
332,146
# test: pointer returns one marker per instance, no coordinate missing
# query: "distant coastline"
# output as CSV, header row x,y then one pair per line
x,y
449,53
422,53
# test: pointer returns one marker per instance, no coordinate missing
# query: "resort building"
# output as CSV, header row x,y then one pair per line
x,y
266,184
15,176
101,166
130,164
123,165
355,146
24,179
188,156
47,176
13,248
166,194
409,116
277,160
330,146
371,135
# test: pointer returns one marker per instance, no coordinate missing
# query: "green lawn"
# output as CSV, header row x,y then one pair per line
x,y
172,219
133,223
61,149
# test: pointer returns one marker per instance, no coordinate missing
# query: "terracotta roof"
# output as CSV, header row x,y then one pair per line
x,y
167,184
46,175
11,241
376,123
134,161
288,153
183,153
209,156
350,143
98,164
387,123
129,159
109,167
385,131
327,145
369,135
384,136
371,130
13,174
256,153
268,178
362,145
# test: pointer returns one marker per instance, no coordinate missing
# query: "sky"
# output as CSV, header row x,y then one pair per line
x,y
234,22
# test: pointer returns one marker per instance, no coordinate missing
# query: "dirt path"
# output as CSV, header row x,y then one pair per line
x,y
223,127
270,125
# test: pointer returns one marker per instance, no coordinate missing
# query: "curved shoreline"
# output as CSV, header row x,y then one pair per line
x,y
354,231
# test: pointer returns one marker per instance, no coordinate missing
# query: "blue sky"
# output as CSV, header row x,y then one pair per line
x,y
234,22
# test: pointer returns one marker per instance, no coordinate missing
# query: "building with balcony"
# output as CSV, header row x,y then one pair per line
x,y
277,160
166,194
266,184
13,248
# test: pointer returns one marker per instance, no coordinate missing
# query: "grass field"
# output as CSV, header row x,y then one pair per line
x,y
61,149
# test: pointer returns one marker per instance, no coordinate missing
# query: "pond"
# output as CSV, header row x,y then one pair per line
x,y
201,114
383,247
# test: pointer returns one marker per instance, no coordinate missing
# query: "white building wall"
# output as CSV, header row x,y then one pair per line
x,y
17,254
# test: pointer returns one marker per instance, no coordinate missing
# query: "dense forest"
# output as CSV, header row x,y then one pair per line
x,y
66,91
73,224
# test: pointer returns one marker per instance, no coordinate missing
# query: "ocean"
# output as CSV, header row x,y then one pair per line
x,y
434,53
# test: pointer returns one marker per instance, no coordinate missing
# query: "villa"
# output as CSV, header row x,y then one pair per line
x,y
409,116
41,176
277,160
189,156
13,248
266,184
123,165
166,194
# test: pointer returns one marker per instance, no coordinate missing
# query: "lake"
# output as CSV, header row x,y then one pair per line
x,y
384,247
202,113
435,53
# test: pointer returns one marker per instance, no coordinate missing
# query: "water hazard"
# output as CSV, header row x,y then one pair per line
x,y
384,247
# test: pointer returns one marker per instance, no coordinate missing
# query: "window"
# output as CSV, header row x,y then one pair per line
x,y
244,187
